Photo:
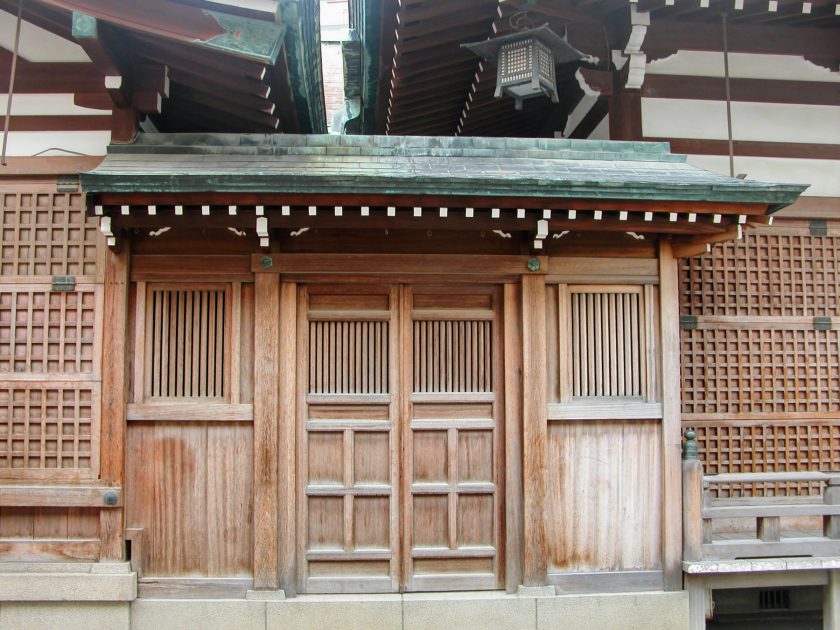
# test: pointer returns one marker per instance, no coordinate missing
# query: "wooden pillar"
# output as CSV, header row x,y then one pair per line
x,y
692,475
513,436
625,111
266,454
114,398
698,601
669,307
287,455
831,601
534,429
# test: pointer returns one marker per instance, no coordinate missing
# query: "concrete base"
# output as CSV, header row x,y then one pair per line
x,y
67,581
265,596
418,611
64,616
537,591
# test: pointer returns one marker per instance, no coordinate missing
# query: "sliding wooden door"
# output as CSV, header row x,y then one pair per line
x,y
400,453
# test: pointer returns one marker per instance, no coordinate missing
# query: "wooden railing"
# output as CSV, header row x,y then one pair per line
x,y
702,507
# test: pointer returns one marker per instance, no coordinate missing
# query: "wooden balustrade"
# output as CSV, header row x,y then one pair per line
x,y
703,540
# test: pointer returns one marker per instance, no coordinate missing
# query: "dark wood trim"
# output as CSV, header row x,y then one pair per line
x,y
426,201
796,150
58,165
747,90
812,208
625,111
818,45
592,119
60,123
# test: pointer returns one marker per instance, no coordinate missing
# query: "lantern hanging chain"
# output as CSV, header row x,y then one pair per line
x,y
731,144
10,92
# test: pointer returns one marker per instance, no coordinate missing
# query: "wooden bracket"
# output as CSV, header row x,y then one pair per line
x,y
701,243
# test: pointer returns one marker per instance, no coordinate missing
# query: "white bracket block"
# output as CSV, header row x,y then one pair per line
x,y
262,231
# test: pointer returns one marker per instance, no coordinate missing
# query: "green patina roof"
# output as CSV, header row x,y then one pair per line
x,y
409,165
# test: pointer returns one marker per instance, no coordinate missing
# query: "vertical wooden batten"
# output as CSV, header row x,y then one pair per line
x,y
670,371
535,429
513,435
114,398
266,383
287,437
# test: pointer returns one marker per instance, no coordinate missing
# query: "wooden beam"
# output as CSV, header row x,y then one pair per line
x,y
52,78
114,397
669,308
58,165
748,90
89,35
534,430
266,444
593,118
793,150
818,45
92,496
60,123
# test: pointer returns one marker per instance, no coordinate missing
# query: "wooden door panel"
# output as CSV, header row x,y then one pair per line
x,y
400,394
347,442
452,484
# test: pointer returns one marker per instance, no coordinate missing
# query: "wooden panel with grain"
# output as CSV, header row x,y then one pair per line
x,y
604,496
49,533
347,443
453,491
47,234
191,492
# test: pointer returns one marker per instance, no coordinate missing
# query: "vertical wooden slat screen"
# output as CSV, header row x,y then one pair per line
x,y
348,357
187,355
453,356
607,343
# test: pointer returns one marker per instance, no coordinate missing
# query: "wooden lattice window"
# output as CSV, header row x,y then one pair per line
x,y
348,357
453,356
43,331
46,234
48,426
750,371
188,334
763,274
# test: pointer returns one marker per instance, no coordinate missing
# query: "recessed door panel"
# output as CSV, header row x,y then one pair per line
x,y
399,435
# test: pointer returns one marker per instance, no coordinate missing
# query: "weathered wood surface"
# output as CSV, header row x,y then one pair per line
x,y
535,428
604,496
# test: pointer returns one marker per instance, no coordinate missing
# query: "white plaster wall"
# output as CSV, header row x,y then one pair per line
x,y
822,175
695,63
37,44
768,122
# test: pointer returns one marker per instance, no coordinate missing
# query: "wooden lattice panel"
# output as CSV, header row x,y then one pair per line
x,y
348,357
607,340
46,235
752,447
187,335
453,356
760,371
42,331
765,274
48,426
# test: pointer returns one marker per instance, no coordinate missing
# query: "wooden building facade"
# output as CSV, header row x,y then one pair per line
x,y
260,379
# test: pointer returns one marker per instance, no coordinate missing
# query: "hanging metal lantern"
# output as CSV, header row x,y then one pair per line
x,y
526,61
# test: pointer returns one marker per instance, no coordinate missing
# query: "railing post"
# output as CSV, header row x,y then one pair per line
x,y
831,496
692,499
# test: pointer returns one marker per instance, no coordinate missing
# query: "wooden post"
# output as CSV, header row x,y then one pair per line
x,y
831,602
534,429
266,455
114,398
831,496
698,601
670,371
625,111
287,453
513,436
692,476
